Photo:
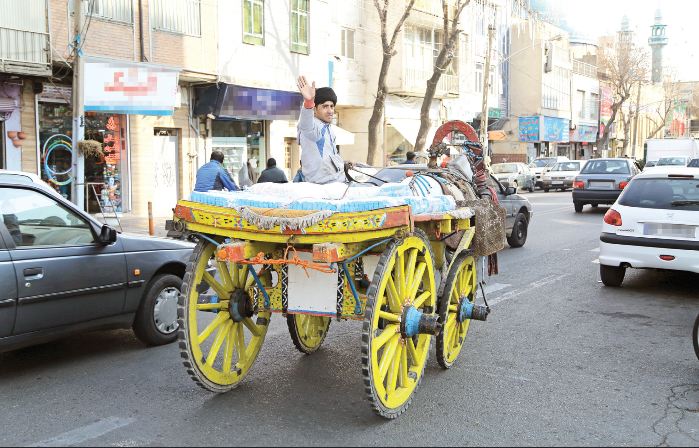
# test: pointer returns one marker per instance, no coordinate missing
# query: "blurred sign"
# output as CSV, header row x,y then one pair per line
x,y
556,130
529,129
584,133
130,88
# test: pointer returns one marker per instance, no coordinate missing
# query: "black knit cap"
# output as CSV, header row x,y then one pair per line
x,y
324,94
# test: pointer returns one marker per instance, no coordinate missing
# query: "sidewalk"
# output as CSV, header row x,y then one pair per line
x,y
131,223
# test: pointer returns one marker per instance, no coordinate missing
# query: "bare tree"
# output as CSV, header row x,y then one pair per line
x,y
622,68
451,32
664,108
388,47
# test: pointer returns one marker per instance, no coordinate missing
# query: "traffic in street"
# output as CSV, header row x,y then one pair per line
x,y
561,360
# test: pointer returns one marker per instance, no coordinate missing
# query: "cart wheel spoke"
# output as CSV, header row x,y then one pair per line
x,y
460,283
217,354
393,365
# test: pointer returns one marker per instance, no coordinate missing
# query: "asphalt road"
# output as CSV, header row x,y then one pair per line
x,y
562,360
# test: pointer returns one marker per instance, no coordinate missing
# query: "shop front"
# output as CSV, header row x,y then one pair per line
x,y
582,139
549,135
243,127
103,183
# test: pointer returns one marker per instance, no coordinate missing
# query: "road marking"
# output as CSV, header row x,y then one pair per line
x,y
88,432
595,261
495,287
552,211
533,285
596,249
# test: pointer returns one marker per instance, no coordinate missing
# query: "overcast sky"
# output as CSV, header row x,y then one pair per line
x,y
598,17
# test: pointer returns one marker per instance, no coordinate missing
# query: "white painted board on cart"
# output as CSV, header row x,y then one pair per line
x,y
315,293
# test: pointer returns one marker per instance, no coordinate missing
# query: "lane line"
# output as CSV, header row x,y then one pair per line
x,y
495,287
531,286
595,261
596,249
88,432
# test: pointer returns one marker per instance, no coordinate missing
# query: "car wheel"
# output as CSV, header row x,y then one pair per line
x,y
578,207
594,205
156,318
531,187
519,231
546,190
695,336
612,276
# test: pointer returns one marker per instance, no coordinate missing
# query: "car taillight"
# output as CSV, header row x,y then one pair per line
x,y
623,184
578,185
612,217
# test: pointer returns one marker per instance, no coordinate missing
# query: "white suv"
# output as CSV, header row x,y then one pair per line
x,y
654,224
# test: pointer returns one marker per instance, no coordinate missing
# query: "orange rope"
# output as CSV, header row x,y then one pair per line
x,y
305,264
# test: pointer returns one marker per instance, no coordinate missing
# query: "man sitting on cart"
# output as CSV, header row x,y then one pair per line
x,y
320,160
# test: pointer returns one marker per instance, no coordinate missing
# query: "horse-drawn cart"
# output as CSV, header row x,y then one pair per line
x,y
407,276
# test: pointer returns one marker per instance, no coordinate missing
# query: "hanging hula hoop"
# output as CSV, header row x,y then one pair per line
x,y
60,142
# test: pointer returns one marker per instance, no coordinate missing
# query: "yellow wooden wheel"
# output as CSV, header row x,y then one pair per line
x,y
459,291
400,299
222,329
307,332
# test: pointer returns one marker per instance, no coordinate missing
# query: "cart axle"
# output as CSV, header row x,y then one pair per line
x,y
415,322
468,310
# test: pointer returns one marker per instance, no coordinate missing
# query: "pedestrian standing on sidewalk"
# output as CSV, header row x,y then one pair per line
x,y
272,173
213,175
321,162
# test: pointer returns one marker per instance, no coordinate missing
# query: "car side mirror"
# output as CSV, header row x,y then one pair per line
x,y
108,235
509,191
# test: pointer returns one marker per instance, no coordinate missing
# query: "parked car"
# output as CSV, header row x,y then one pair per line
x,y
673,161
601,181
543,164
518,208
653,225
650,164
514,174
694,163
63,272
561,175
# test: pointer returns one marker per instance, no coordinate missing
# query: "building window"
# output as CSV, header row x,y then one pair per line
x,y
177,16
117,10
479,78
594,106
347,43
581,102
299,26
254,22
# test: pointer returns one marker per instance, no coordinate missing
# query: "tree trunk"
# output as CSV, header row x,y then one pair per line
x,y
425,121
377,114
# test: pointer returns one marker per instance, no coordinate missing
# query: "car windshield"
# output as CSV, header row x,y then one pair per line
x,y
606,167
670,194
651,163
694,163
500,168
541,163
566,166
672,161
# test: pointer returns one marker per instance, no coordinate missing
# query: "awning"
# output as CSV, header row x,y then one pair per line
x,y
409,128
7,105
343,137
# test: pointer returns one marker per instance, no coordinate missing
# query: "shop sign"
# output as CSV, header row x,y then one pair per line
x,y
583,133
140,89
556,130
529,129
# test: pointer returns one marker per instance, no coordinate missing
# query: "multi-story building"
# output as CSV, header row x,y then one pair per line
x,y
540,70
585,100
140,60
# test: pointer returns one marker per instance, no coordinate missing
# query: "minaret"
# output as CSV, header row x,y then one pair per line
x,y
657,41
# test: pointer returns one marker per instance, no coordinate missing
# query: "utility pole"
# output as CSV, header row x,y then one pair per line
x,y
78,162
635,127
486,86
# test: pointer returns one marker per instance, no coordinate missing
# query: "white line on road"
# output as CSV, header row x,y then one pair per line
x,y
596,249
533,285
595,261
88,432
495,287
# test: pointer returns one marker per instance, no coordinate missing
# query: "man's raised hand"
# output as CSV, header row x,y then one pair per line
x,y
308,91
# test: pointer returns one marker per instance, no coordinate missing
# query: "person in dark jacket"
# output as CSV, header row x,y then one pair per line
x,y
213,175
409,158
272,173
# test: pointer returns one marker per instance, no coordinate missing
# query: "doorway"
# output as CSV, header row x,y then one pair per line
x,y
165,171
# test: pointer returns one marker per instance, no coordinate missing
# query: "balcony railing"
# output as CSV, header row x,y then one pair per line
x,y
27,52
585,69
415,81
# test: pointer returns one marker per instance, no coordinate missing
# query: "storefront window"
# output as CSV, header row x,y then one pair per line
x,y
241,141
55,146
104,174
